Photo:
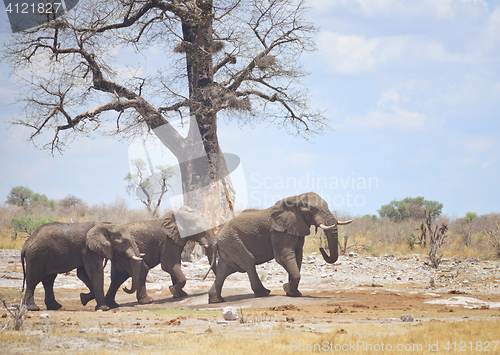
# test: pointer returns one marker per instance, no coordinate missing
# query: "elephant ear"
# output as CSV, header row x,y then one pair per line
x,y
97,240
288,218
169,226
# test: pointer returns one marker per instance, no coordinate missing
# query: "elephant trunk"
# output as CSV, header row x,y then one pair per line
x,y
210,250
136,271
135,265
332,237
329,224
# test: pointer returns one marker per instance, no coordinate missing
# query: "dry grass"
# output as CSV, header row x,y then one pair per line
x,y
382,236
364,339
13,337
9,241
278,339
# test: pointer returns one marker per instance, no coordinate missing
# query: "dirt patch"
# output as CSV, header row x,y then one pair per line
x,y
287,307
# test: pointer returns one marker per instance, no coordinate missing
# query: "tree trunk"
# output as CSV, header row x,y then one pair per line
x,y
205,181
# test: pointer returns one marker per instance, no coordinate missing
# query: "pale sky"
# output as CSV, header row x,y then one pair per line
x,y
412,92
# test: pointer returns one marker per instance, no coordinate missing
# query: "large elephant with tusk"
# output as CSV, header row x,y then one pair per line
x,y
57,248
257,236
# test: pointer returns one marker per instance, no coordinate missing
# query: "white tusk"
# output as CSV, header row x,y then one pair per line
x,y
142,255
342,223
136,258
322,226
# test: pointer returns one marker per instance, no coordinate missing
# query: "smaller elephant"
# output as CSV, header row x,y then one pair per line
x,y
161,241
57,248
278,232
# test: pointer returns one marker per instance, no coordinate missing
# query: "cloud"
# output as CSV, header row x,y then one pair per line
x,y
369,35
398,120
479,145
348,54
296,160
387,114
486,164
353,54
444,9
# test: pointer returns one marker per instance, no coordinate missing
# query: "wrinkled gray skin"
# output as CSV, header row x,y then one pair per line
x,y
57,248
160,242
257,236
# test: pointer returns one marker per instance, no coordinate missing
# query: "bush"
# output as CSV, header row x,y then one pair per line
x,y
29,224
494,239
410,241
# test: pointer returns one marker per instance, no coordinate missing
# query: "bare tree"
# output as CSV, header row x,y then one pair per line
x,y
149,187
16,311
493,235
437,236
238,57
70,202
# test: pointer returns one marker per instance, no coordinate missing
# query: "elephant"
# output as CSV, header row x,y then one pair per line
x,y
57,248
161,241
256,236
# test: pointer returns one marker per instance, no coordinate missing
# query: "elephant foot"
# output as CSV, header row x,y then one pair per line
x,y
53,306
145,300
102,307
215,299
262,293
112,304
86,298
177,293
289,292
32,307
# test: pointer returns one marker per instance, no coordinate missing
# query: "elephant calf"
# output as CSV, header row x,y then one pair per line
x,y
257,236
57,248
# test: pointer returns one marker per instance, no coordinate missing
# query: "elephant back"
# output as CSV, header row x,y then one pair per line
x,y
57,234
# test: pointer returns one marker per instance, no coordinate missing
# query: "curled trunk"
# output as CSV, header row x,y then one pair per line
x,y
136,262
136,270
332,236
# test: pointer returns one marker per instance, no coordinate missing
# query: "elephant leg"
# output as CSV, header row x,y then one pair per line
x,y
29,295
82,275
258,289
117,279
223,271
50,299
94,268
142,294
178,280
246,261
288,259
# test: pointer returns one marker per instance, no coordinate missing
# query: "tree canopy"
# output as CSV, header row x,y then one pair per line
x,y
410,208
24,197
88,71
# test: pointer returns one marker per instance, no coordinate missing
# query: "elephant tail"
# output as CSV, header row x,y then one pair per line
x,y
24,269
213,263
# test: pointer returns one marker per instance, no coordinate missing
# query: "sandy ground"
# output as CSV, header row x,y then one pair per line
x,y
329,300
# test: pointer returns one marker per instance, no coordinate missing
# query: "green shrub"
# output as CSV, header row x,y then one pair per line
x,y
410,241
29,224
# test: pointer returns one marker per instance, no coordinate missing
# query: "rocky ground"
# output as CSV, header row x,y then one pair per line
x,y
356,289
